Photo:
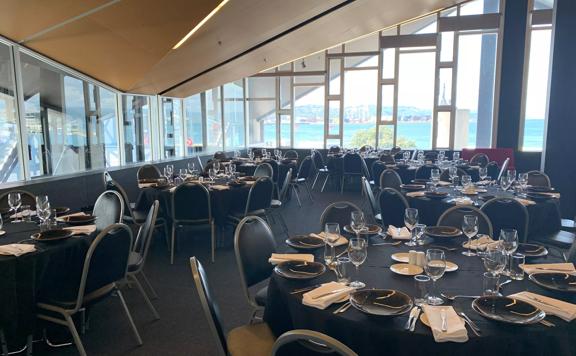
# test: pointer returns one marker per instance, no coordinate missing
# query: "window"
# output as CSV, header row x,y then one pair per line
x,y
308,116
234,115
261,111
66,128
172,118
360,107
9,133
194,124
137,133
214,139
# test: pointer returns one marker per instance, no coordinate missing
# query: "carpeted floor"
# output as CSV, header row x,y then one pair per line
x,y
182,328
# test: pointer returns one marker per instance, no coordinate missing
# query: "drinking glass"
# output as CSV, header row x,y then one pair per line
x,y
490,284
343,267
183,172
264,153
456,156
43,213
466,181
516,262
167,174
470,229
509,240
232,168
495,260
441,156
14,201
251,155
435,267
418,232
41,201
422,283
212,174
523,180
505,182
406,156
191,167
483,171
435,176
331,236
170,169
357,252
358,222
216,166
512,175
410,220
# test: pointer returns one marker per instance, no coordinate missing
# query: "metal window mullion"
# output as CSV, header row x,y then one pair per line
x,y
222,124
525,73
292,111
395,100
182,128
120,129
22,142
278,106
341,113
379,96
453,94
437,67
245,112
156,128
326,98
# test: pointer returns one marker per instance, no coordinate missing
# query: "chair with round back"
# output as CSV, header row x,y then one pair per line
x,y
304,173
392,205
371,200
264,170
479,159
191,206
539,179
312,340
248,340
352,166
291,154
431,156
275,174
424,172
26,198
277,204
455,215
219,155
319,166
338,212
148,171
334,149
492,169
366,148
445,175
390,179
387,158
259,200
377,168
105,265
108,209
253,245
507,213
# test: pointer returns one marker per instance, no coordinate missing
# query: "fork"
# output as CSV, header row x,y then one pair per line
x,y
475,329
388,243
342,308
547,323
452,297
444,248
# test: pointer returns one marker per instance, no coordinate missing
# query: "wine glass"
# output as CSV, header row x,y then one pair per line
x,y
357,252
191,168
505,182
453,173
523,180
435,267
435,176
410,220
406,156
331,236
483,172
466,181
456,156
43,213
212,174
232,169
418,232
216,166
358,222
509,240
170,168
41,201
441,155
167,174
512,175
14,201
183,172
470,229
495,259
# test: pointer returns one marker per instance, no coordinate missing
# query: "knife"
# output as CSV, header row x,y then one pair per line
x,y
415,319
409,322
444,321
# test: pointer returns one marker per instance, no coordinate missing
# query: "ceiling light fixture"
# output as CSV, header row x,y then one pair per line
x,y
201,23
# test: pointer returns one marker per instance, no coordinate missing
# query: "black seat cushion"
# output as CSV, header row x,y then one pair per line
x,y
261,296
562,239
135,260
139,216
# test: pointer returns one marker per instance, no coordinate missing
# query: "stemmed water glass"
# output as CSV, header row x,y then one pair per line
x,y
512,175
14,201
357,252
509,241
331,236
483,172
419,230
251,154
358,222
191,168
167,174
495,260
453,172
406,156
470,229
505,182
456,157
466,181
216,166
523,181
212,173
435,176
435,267
43,212
410,220
232,169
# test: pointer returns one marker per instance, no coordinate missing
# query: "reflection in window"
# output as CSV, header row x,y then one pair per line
x,y
234,115
308,116
9,161
214,140
194,124
261,111
136,113
172,118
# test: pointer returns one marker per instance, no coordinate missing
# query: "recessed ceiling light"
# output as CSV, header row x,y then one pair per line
x,y
201,23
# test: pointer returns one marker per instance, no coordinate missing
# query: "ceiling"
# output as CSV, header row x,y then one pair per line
x,y
128,44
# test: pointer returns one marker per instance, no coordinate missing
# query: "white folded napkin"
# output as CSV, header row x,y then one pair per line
x,y
561,309
443,183
19,214
73,214
455,327
325,295
81,230
548,267
146,185
480,243
416,194
340,242
283,257
525,202
16,249
463,201
220,187
398,233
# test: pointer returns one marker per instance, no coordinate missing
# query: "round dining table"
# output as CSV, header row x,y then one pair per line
x,y
379,335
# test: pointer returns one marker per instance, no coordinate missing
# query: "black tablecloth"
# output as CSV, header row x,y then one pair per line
x,y
544,216
370,335
28,278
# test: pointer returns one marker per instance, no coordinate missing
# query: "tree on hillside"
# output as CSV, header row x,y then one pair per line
x,y
386,139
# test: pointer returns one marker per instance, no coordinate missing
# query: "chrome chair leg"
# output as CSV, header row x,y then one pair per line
x,y
3,343
75,335
152,290
315,179
325,181
309,191
129,316
172,244
297,195
342,185
143,292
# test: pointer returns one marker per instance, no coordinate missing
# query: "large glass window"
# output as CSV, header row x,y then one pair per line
x,y
9,133
308,116
234,115
261,111
172,118
214,140
64,121
360,96
137,133
194,124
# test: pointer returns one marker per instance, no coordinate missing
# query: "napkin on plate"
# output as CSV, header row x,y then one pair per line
x,y
561,309
525,202
16,249
456,329
81,230
283,257
220,187
326,294
341,241
19,214
463,201
416,194
443,183
480,243
548,267
81,213
398,233
147,185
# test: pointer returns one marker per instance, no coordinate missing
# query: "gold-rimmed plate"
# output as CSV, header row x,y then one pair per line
x,y
508,310
51,235
299,269
402,257
557,281
442,231
531,250
369,230
381,302
305,242
406,269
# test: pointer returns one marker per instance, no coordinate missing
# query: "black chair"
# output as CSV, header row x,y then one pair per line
x,y
366,148
506,213
387,158
377,168
390,179
219,155
503,169
371,200
479,159
26,198
304,173
191,206
264,170
395,150
431,156
139,253
392,207
445,175
320,168
148,171
352,166
105,265
259,200
424,172
291,154
455,215
275,174
248,340
338,212
539,179
253,245
108,209
492,169
335,149
277,204
312,340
